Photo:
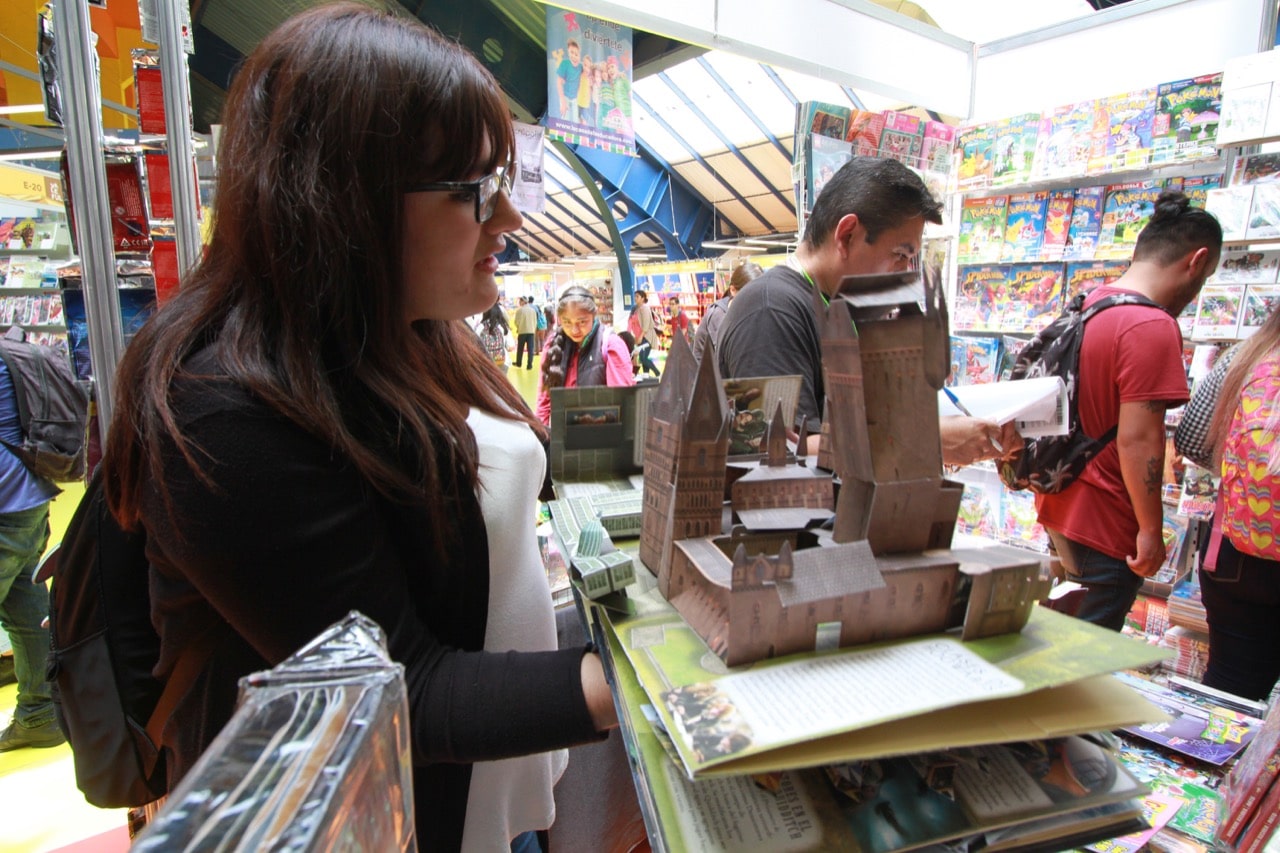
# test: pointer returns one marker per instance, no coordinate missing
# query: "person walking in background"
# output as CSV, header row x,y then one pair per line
x,y
307,427
1234,417
495,335
641,345
677,320
24,532
644,316
1108,526
583,352
540,333
526,331
713,317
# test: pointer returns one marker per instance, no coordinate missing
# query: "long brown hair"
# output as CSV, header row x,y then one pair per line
x,y
560,349
1262,344
300,293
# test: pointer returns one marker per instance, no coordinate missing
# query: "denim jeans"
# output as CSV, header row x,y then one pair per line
x,y
23,606
526,842
1111,587
1242,603
524,343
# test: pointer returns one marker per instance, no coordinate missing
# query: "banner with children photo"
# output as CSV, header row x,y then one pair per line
x,y
589,82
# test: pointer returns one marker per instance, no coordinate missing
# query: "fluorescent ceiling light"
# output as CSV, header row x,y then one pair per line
x,y
21,109
776,240
731,246
33,154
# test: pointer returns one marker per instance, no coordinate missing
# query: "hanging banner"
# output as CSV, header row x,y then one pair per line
x,y
528,191
589,81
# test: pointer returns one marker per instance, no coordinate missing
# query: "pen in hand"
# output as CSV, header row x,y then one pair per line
x,y
964,410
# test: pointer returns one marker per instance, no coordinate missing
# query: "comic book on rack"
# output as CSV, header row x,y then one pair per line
x,y
1244,113
982,220
1260,301
1186,119
1086,275
1063,151
1024,226
1035,297
1247,267
1129,119
1125,212
1197,188
1264,212
864,132
939,141
974,146
825,157
980,297
1014,149
1256,168
1057,221
1086,223
1231,205
902,138
1218,312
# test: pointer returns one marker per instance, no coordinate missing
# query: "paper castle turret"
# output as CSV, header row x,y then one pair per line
x,y
843,553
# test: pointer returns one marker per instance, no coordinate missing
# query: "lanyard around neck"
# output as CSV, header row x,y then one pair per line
x,y
794,263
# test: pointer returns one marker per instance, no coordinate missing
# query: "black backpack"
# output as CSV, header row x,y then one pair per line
x,y
1051,463
53,408
104,647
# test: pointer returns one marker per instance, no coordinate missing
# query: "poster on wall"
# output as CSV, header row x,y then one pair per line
x,y
528,190
589,81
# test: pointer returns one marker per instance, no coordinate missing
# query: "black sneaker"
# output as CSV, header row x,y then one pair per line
x,y
7,674
39,737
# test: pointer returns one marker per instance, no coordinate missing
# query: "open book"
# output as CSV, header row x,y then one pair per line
x,y
1039,406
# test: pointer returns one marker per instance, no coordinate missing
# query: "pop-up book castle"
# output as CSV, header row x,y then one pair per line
x,y
852,550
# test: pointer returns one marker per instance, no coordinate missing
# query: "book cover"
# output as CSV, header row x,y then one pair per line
x,y
864,131
980,357
982,221
980,507
825,157
1250,778
829,120
1034,297
1010,346
1231,205
1218,311
1086,222
1022,527
1197,188
1014,149
1196,728
1247,267
1264,212
902,137
1260,302
1244,113
1158,808
1057,220
1085,276
1186,120
974,150
1064,142
1129,119
1125,212
903,803
981,292
1024,226
1201,807
1199,493
1256,169
939,141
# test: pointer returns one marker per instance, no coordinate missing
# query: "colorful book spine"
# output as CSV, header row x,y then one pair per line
x,y
1250,778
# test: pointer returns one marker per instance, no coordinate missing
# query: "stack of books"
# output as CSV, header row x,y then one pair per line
x,y
1251,792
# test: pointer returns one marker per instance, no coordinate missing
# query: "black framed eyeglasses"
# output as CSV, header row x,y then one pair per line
x,y
484,191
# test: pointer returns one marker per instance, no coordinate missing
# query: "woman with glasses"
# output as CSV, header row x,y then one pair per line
x,y
582,352
309,427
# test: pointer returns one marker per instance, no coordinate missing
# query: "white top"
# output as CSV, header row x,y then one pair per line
x,y
513,795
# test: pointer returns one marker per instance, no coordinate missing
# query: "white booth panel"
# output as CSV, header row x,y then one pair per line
x,y
1142,43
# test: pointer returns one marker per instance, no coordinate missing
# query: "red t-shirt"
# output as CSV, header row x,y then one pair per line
x,y
1130,354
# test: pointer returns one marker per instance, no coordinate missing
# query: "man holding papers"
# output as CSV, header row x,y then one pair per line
x,y
869,218
1107,525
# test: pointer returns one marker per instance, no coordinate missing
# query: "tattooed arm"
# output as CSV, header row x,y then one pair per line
x,y
1140,442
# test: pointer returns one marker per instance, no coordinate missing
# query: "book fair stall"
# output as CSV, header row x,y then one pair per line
x,y
857,649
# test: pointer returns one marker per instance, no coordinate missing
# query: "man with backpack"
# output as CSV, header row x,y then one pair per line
x,y
24,532
1107,524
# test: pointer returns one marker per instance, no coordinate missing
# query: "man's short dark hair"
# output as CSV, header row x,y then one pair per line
x,y
882,192
1176,228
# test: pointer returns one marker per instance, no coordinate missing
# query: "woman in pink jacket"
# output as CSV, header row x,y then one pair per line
x,y
582,352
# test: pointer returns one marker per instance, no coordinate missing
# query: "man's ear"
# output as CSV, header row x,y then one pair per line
x,y
845,232
1196,261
